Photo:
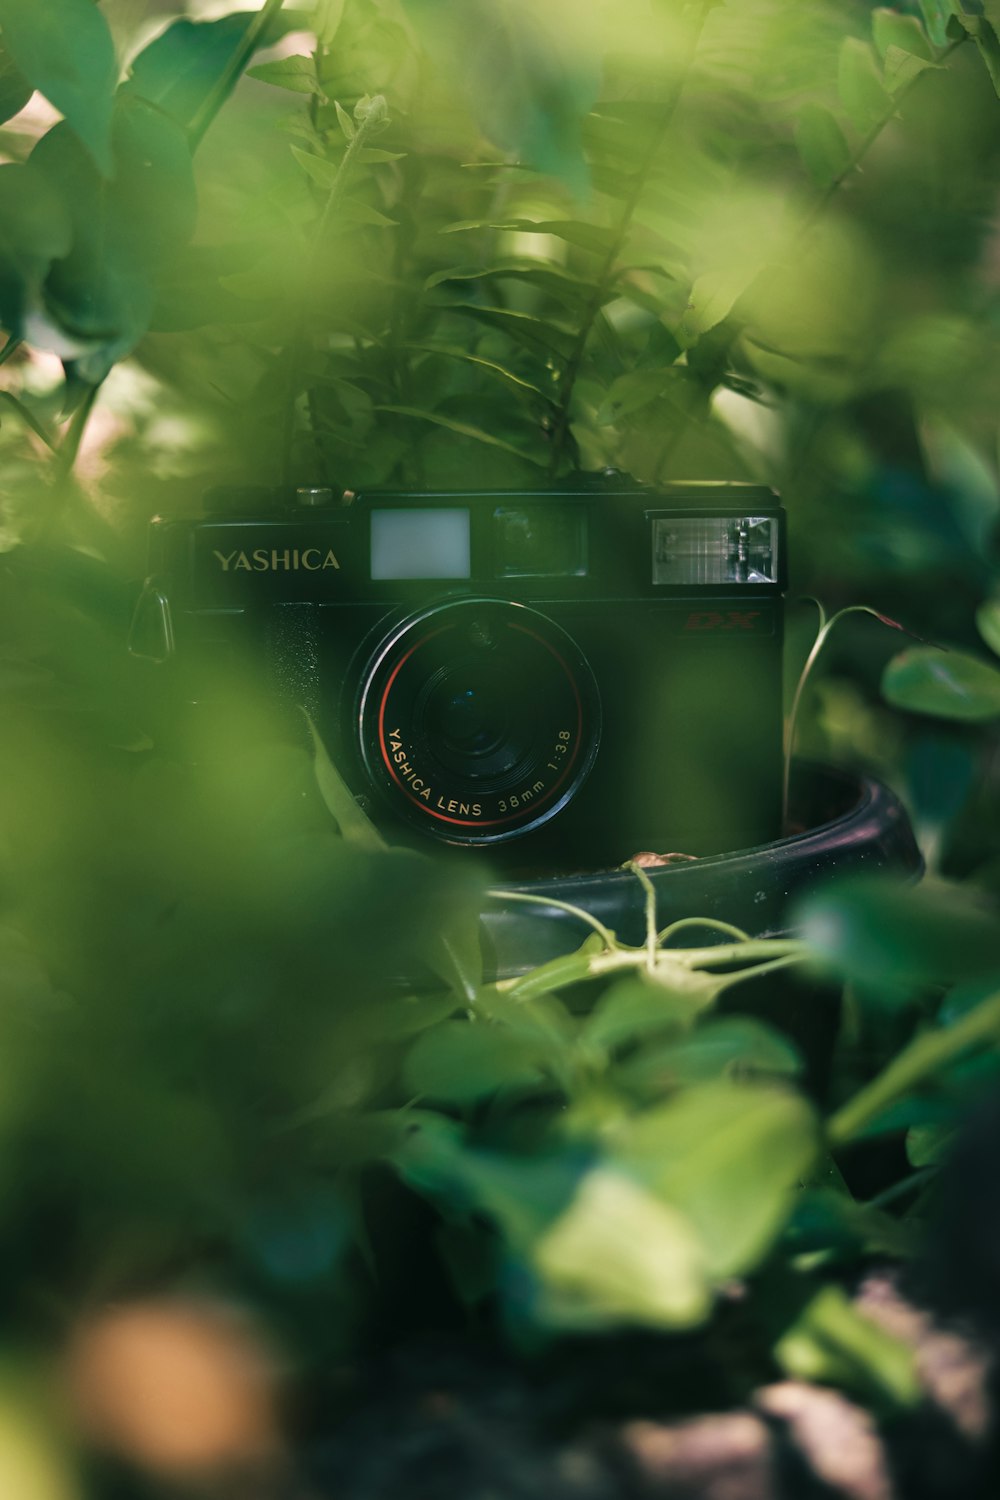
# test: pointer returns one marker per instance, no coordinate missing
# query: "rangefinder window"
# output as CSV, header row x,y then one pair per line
x,y
540,541
411,543
715,549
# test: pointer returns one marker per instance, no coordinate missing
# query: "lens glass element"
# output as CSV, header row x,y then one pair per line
x,y
479,719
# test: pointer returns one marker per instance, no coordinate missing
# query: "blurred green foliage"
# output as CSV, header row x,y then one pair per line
x,y
412,242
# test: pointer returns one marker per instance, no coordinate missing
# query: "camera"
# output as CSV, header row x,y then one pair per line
x,y
558,677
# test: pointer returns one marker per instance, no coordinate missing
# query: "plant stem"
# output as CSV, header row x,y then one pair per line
x,y
69,448
606,272
924,1057
296,346
225,84
573,911
825,626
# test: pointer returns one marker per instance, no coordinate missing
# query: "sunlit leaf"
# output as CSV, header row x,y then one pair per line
x,y
635,1008
891,29
463,429
947,684
620,1255
459,1062
821,145
574,231
859,82
729,1158
832,1341
297,73
901,68
64,48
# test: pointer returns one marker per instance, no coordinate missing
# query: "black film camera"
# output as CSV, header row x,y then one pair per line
x,y
558,678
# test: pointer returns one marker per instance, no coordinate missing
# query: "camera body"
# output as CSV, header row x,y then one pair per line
x,y
559,678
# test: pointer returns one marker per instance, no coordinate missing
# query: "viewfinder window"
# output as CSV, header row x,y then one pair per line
x,y
424,543
540,541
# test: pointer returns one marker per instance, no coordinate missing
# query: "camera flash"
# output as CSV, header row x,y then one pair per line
x,y
715,549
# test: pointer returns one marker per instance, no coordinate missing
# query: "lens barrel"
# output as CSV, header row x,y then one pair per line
x,y
478,719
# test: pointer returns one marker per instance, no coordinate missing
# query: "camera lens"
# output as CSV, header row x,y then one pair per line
x,y
479,719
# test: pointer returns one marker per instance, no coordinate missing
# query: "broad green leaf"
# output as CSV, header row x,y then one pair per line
x,y
729,1157
831,1341
947,684
901,68
619,1255
64,48
181,68
319,168
569,289
574,231
15,90
510,378
937,14
859,83
459,1062
297,73
543,1021
355,211
988,623
35,230
821,145
376,154
737,1046
929,1145
101,295
356,827
463,429
522,328
876,930
714,296
630,393
985,32
635,1008
830,1221
891,29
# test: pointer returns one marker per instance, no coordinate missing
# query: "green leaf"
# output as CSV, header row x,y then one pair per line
x,y
356,827
929,1145
859,83
988,623
522,328
946,684
620,1255
830,1221
297,73
463,429
901,68
714,295
891,29
101,294
321,170
355,211
728,1157
636,1007
553,280
985,32
631,392
574,231
347,125
64,48
880,932
35,230
737,1046
459,1062
15,90
825,153
376,154
180,69
510,378
527,86
937,14
832,1342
